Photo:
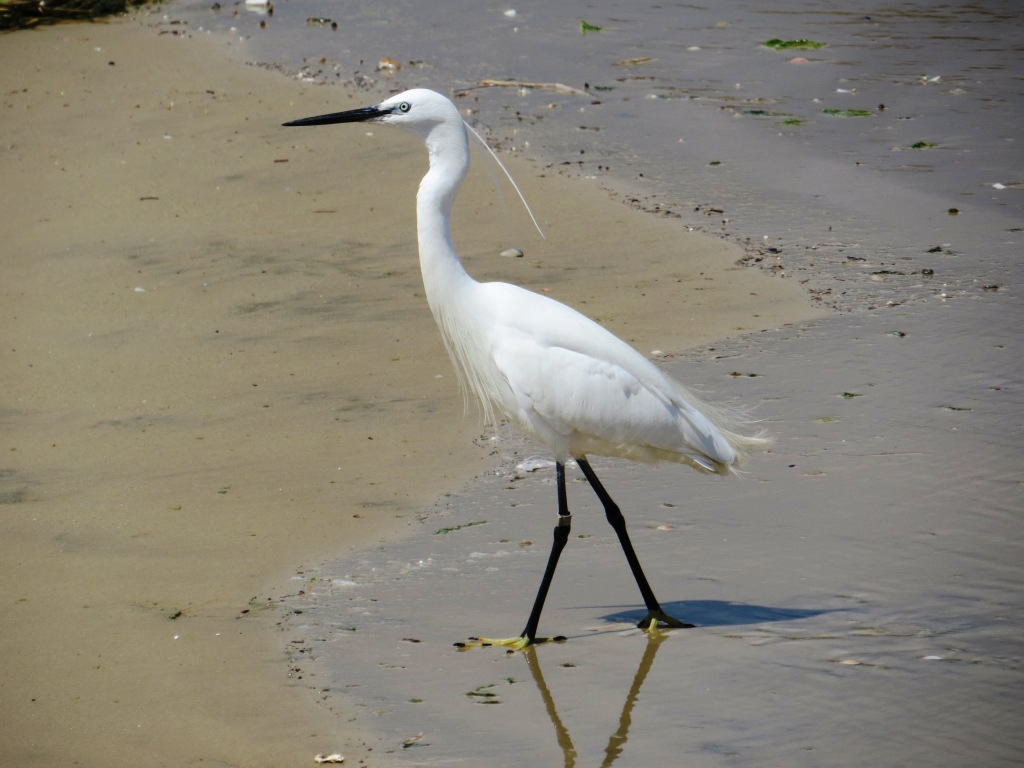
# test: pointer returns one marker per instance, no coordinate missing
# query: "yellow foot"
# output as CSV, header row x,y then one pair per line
x,y
512,643
654,619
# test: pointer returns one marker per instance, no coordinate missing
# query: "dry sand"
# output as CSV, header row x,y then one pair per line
x,y
217,365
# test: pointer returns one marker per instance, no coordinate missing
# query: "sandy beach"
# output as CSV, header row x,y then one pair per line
x,y
218,367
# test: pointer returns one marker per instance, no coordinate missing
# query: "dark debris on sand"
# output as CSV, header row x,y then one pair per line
x,y
25,14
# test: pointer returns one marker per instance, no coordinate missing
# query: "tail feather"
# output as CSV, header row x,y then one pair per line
x,y
734,424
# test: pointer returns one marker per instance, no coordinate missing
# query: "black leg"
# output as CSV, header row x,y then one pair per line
x,y
655,614
561,536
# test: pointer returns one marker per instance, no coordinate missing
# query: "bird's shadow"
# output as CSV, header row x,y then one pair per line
x,y
720,613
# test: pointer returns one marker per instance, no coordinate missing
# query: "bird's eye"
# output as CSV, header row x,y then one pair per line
x,y
405,106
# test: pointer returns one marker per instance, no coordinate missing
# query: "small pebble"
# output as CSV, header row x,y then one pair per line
x,y
335,758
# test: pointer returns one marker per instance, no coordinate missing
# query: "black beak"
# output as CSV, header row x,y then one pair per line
x,y
351,116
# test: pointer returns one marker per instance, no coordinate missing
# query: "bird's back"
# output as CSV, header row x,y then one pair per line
x,y
582,390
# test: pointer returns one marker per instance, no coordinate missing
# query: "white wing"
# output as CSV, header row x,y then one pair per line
x,y
582,389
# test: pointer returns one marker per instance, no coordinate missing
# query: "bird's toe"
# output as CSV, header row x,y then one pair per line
x,y
512,644
656,619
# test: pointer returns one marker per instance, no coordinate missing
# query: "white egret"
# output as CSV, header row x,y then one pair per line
x,y
558,375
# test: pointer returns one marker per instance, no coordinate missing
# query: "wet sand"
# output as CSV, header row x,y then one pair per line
x,y
856,594
218,367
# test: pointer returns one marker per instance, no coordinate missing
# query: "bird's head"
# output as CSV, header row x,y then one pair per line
x,y
420,110
432,117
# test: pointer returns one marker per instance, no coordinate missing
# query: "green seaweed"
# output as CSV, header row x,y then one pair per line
x,y
849,112
585,27
25,14
454,528
793,45
923,145
481,692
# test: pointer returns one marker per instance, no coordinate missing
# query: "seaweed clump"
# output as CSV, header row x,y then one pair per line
x,y
25,14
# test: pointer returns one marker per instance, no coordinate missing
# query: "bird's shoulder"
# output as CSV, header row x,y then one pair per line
x,y
555,337
511,308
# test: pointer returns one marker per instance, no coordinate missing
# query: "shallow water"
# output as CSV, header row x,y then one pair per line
x,y
856,594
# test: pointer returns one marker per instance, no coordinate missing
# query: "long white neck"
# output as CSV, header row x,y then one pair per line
x,y
443,273
449,289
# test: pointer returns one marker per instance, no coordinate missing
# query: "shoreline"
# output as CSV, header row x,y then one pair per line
x,y
859,577
850,573
203,377
768,165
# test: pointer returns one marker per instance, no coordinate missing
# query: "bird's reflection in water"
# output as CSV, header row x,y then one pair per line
x,y
617,741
